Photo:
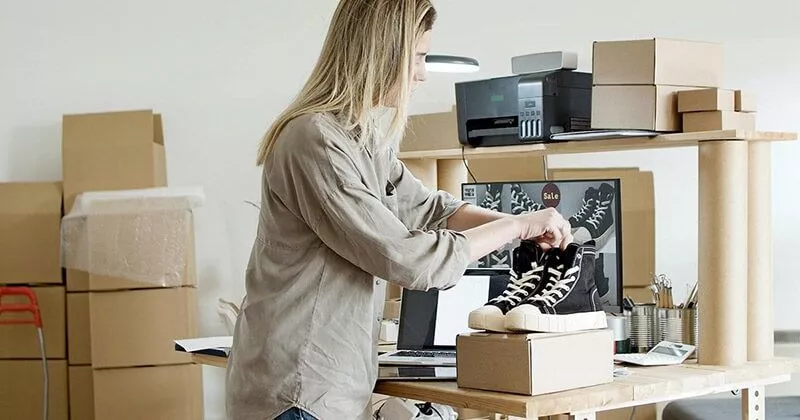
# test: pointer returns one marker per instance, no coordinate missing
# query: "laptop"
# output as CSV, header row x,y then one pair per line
x,y
431,320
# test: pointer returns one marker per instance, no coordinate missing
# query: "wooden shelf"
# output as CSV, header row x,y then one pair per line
x,y
589,146
644,385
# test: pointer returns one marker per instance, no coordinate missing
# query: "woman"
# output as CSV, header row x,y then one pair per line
x,y
339,212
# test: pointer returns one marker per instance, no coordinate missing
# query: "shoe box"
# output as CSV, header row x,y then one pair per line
x,y
637,202
156,392
636,81
534,364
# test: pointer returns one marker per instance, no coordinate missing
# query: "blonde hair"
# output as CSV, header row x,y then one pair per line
x,y
365,62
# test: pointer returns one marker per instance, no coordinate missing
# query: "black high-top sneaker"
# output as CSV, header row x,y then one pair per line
x,y
601,219
600,278
589,202
569,301
526,276
521,202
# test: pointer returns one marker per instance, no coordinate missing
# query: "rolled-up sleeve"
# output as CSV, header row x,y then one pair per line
x,y
420,207
326,190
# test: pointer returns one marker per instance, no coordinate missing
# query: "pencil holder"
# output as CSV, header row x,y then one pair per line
x,y
678,325
644,328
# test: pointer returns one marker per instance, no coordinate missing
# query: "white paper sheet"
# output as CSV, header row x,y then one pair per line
x,y
454,306
205,343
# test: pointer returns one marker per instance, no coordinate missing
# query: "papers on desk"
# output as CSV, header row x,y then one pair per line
x,y
212,346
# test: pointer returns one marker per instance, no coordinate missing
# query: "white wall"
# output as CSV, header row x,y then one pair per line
x,y
219,71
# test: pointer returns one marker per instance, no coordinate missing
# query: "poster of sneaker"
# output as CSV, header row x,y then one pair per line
x,y
592,208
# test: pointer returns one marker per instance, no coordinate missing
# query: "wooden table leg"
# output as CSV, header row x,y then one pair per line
x,y
760,327
753,401
722,249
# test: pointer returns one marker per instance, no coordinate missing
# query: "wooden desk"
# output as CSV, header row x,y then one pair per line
x,y
643,386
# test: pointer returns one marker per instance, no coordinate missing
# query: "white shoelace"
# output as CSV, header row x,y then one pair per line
x,y
557,290
584,208
515,291
599,213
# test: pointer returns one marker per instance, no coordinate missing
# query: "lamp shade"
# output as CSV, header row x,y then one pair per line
x,y
451,64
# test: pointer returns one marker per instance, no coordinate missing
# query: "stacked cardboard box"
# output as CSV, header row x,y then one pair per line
x,y
717,109
636,81
122,364
30,217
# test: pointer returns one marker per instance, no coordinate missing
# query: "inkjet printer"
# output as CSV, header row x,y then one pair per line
x,y
524,108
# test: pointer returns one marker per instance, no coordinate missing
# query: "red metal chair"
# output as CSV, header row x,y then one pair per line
x,y
34,319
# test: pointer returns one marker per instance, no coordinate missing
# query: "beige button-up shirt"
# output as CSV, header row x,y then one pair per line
x,y
337,216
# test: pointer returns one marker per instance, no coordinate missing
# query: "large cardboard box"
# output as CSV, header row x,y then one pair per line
x,y
542,363
112,151
130,328
718,120
22,390
657,61
435,131
153,393
636,107
637,201
22,341
30,220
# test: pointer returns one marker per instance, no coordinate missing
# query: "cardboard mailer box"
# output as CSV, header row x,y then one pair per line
x,y
718,120
157,393
637,194
636,107
112,151
710,99
657,61
130,328
435,131
30,223
542,363
135,245
745,101
639,294
22,341
22,390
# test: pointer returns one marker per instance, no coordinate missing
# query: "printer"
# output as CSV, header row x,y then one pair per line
x,y
523,108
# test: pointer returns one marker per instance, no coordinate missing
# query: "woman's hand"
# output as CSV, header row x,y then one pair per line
x,y
546,227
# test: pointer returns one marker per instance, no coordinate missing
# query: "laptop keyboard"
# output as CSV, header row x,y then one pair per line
x,y
422,353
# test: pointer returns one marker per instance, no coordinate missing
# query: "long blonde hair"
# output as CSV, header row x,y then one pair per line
x,y
365,62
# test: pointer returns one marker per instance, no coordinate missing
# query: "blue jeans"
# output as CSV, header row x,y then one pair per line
x,y
295,414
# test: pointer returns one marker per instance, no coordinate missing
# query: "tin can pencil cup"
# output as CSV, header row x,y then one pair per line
x,y
644,328
678,325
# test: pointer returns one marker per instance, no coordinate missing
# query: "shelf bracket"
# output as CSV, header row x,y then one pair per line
x,y
753,401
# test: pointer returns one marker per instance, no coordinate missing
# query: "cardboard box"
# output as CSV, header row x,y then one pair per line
x,y
112,151
542,363
139,244
637,195
130,328
435,131
164,392
718,120
22,390
22,341
711,99
636,107
657,61
391,309
745,101
639,294
30,223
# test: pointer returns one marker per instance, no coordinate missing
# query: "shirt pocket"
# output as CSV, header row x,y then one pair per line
x,y
389,197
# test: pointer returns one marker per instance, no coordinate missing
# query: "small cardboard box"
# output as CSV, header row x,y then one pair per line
x,y
718,120
637,195
22,390
112,151
22,341
657,61
745,101
158,393
636,107
30,223
534,364
130,328
710,99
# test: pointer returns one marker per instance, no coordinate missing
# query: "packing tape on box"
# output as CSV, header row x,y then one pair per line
x,y
140,235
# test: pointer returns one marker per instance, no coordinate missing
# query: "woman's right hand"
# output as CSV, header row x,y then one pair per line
x,y
546,227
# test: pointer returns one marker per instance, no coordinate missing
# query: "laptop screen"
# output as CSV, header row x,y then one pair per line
x,y
432,320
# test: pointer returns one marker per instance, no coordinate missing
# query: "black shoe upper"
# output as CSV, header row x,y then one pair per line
x,y
601,217
526,274
589,203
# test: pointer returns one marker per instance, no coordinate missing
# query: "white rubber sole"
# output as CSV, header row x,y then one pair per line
x,y
483,321
530,321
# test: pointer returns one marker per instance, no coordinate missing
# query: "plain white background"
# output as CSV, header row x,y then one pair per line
x,y
220,71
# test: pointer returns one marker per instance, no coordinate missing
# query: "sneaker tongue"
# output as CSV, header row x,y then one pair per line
x,y
524,255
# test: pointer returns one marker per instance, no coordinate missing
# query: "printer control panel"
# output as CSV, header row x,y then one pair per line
x,y
530,119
